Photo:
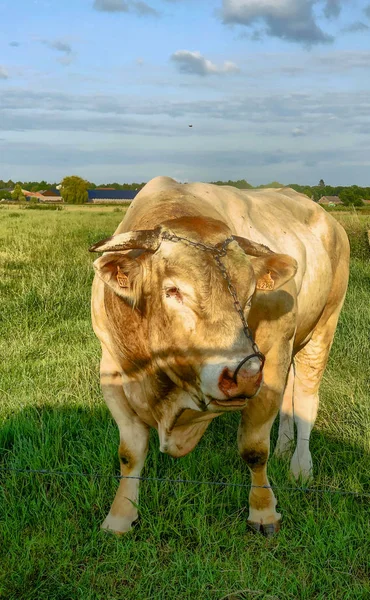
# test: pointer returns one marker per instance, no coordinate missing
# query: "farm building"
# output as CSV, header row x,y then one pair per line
x,y
109,195
329,200
28,195
52,195
44,195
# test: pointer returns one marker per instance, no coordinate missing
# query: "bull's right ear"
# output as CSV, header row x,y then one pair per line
x,y
122,273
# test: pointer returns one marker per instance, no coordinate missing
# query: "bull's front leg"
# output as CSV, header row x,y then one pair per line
x,y
132,450
254,447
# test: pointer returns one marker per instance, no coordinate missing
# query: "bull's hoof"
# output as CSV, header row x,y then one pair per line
x,y
117,525
266,529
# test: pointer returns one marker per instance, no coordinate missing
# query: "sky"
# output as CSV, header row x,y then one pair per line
x,y
275,90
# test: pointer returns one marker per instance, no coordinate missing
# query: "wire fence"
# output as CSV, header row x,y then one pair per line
x,y
341,492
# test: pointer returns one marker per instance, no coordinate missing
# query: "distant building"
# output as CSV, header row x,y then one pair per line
x,y
108,195
330,200
52,195
44,196
94,196
28,195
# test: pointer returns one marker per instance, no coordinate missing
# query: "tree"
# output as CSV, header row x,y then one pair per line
x,y
74,190
351,196
307,191
242,184
321,183
272,184
17,194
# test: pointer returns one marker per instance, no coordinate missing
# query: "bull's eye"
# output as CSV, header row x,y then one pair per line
x,y
173,292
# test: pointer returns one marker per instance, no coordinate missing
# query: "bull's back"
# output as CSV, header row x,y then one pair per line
x,y
282,219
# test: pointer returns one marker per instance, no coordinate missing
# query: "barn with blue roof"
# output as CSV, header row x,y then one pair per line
x,y
102,195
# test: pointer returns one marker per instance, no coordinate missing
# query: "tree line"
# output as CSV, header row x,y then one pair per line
x,y
74,189
349,195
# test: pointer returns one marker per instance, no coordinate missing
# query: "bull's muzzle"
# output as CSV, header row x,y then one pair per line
x,y
246,379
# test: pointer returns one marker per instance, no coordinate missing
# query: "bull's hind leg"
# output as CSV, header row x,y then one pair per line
x,y
286,421
132,450
310,363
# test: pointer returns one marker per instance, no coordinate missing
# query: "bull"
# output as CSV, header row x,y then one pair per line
x,y
211,299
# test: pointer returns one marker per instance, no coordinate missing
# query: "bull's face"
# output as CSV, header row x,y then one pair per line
x,y
195,332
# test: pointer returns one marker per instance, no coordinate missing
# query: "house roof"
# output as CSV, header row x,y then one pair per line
x,y
33,194
111,194
50,192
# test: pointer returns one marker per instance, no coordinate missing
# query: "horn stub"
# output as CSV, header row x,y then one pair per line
x,y
252,248
146,239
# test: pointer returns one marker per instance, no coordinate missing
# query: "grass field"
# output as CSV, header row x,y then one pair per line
x,y
191,541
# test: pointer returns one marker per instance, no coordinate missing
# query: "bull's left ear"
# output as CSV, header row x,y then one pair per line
x,y
273,270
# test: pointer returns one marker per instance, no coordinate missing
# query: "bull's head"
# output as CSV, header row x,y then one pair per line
x,y
195,333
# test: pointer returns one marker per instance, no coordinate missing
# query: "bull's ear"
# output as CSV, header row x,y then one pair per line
x,y
123,274
273,271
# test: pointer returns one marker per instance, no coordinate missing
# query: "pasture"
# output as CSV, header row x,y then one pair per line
x,y
191,541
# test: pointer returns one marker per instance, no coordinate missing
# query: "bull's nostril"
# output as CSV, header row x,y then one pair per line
x,y
226,380
226,375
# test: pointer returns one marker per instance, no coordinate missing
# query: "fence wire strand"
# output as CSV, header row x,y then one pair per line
x,y
340,492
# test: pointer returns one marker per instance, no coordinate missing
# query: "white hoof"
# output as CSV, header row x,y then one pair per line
x,y
117,524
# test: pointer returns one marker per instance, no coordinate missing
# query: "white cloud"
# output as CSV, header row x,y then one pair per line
x,y
111,5
292,20
3,73
298,132
58,45
196,64
357,26
138,6
64,48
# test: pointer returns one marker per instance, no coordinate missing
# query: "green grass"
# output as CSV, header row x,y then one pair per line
x,y
191,541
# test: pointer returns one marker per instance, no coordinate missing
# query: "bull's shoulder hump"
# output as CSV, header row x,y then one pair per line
x,y
164,199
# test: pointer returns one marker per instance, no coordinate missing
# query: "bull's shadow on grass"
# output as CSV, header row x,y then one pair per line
x,y
191,540
80,440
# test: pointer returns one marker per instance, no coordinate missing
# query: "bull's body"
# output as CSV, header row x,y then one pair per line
x,y
150,371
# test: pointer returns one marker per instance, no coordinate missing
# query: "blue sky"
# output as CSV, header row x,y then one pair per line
x,y
107,89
